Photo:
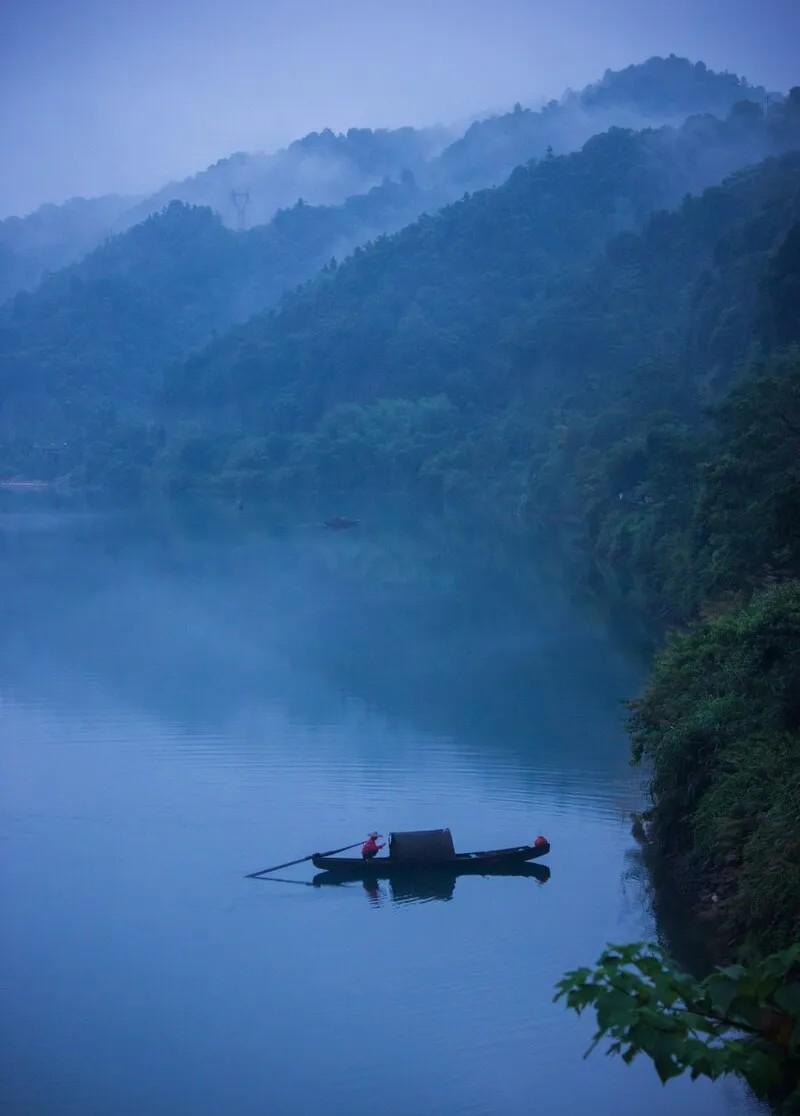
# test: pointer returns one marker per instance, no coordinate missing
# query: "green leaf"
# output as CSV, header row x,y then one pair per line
x,y
722,991
788,998
651,967
645,1006
615,1009
733,972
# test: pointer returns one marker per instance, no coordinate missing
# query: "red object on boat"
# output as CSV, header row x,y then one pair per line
x,y
540,841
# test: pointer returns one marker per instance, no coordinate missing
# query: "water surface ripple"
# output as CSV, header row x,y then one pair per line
x,y
182,703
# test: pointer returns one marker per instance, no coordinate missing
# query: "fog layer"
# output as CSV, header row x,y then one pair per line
x,y
123,98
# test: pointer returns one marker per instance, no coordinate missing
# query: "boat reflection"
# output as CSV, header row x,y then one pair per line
x,y
423,886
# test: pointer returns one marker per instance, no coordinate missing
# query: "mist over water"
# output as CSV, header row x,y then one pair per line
x,y
186,699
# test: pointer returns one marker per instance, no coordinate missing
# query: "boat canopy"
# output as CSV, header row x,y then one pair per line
x,y
422,844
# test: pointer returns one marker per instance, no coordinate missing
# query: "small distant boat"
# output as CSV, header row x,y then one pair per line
x,y
340,523
29,485
430,849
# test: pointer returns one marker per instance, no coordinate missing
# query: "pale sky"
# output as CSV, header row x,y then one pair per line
x,y
103,96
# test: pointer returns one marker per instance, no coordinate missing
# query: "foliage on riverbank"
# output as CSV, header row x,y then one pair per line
x,y
741,1020
711,538
683,517
720,727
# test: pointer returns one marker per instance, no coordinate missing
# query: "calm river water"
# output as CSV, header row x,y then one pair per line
x,y
184,700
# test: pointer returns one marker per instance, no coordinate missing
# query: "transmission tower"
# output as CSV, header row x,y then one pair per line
x,y
240,199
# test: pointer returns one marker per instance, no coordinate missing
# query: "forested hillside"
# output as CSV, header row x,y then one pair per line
x,y
244,190
324,168
478,305
669,318
658,91
52,237
416,314
99,334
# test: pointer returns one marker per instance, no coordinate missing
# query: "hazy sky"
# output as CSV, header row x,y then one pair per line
x,y
105,96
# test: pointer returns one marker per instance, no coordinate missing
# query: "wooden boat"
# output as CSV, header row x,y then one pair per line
x,y
340,523
430,849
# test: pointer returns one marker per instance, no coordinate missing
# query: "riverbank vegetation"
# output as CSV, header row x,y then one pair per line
x,y
720,727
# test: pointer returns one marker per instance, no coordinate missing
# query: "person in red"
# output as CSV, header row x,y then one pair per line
x,y
371,847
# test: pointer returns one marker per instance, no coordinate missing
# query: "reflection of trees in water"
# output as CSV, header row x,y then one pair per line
x,y
196,618
650,889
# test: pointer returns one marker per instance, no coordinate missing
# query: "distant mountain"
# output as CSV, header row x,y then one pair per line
x,y
103,328
96,334
658,91
245,190
448,304
499,356
325,168
670,87
322,168
410,315
52,237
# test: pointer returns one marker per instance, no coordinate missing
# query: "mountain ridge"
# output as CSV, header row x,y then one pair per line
x,y
328,167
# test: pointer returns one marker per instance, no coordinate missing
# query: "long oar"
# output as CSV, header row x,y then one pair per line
x,y
281,879
302,860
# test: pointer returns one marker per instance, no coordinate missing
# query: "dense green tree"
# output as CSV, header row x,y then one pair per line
x,y
779,321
